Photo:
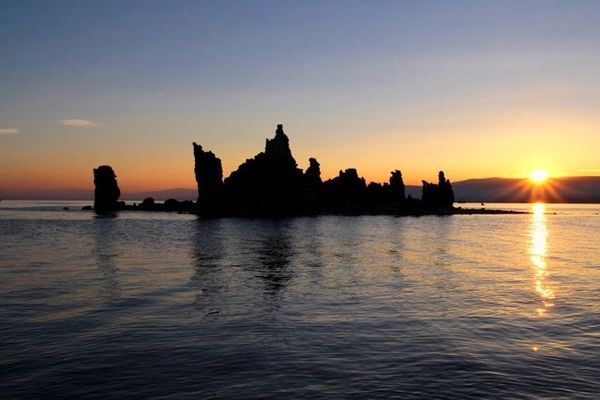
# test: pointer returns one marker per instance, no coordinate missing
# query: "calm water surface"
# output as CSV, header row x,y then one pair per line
x,y
165,306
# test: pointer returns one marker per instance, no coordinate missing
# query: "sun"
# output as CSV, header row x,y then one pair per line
x,y
538,176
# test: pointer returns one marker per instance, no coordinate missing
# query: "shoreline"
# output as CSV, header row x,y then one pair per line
x,y
187,208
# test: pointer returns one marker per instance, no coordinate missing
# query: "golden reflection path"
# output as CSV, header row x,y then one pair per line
x,y
537,254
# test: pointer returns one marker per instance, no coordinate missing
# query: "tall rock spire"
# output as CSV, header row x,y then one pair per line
x,y
209,177
279,146
106,191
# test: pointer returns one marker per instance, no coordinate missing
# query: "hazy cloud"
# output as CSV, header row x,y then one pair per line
x,y
79,123
8,131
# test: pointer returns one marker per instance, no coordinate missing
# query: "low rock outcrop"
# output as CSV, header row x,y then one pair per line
x,y
440,196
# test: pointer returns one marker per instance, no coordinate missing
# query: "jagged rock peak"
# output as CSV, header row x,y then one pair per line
x,y
199,154
279,134
279,145
314,168
199,151
313,173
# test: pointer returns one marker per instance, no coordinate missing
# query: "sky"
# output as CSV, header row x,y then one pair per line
x,y
475,88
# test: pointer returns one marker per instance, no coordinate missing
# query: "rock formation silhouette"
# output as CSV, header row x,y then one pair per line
x,y
347,190
397,189
209,177
148,204
312,176
106,191
440,196
271,185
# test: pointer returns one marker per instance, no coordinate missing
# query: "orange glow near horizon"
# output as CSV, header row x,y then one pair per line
x,y
137,175
169,164
144,177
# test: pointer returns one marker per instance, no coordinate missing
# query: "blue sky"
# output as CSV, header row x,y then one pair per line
x,y
345,77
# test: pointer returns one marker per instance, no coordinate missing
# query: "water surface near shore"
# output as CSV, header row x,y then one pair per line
x,y
158,305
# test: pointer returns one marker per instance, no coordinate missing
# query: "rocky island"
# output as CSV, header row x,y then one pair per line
x,y
271,185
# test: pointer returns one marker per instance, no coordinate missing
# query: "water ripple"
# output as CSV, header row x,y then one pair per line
x,y
172,307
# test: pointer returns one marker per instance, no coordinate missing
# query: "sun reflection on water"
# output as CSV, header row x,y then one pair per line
x,y
537,252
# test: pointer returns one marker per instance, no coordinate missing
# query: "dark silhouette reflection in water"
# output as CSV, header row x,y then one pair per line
x,y
308,243
442,227
234,260
105,252
274,254
394,231
208,279
443,276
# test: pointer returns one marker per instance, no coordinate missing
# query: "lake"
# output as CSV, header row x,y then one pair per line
x,y
167,306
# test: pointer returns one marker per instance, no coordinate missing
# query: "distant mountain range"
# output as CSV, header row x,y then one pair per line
x,y
580,189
